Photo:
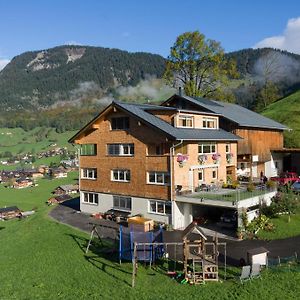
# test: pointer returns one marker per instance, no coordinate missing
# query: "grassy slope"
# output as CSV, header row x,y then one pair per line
x,y
42,259
287,111
20,141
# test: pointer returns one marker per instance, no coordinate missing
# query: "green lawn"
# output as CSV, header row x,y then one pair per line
x,y
43,259
283,228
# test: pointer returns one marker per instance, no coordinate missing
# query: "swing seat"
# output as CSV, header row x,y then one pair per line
x,y
171,273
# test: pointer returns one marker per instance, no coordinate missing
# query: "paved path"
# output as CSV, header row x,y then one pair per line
x,y
68,213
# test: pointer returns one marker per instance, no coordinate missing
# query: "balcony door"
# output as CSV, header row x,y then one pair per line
x,y
200,176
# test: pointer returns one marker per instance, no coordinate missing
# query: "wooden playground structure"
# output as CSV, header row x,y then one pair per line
x,y
198,256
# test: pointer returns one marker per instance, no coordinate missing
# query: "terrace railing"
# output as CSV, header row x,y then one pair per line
x,y
226,197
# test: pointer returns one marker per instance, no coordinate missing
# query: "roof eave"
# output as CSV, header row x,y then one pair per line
x,y
144,121
72,139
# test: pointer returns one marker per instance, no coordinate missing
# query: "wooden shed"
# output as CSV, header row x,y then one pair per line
x,y
258,256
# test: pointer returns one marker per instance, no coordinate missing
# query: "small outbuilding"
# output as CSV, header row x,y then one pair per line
x,y
258,256
9,212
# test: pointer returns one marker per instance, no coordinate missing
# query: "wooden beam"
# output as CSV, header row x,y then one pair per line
x,y
95,126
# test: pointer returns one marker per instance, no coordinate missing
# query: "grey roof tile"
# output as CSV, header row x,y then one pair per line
x,y
177,133
236,113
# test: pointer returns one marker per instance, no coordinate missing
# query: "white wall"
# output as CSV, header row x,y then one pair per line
x,y
256,200
138,206
182,215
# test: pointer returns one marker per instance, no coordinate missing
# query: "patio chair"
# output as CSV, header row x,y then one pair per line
x,y
255,271
245,275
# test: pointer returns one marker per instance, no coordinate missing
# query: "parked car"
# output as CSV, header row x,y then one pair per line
x,y
286,178
229,218
295,187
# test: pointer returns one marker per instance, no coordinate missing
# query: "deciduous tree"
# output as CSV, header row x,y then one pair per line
x,y
199,66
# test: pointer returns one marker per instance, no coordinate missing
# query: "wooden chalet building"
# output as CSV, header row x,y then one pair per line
x,y
137,157
133,157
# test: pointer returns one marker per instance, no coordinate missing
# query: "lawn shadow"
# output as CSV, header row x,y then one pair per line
x,y
103,256
98,262
104,247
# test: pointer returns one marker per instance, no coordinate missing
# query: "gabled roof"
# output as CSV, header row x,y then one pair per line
x,y
193,228
140,112
9,209
236,113
174,132
258,250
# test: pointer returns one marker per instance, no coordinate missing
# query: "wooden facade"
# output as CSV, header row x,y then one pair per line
x,y
259,142
151,154
139,164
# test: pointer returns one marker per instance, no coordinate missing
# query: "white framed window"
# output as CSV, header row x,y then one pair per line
x,y
214,174
120,123
210,123
159,207
185,121
200,175
120,175
207,148
90,198
121,202
160,178
120,149
87,173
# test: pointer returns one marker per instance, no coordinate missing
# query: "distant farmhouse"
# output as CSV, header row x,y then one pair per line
x,y
142,158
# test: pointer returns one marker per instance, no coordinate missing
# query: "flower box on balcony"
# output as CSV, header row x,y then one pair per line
x,y
202,158
216,157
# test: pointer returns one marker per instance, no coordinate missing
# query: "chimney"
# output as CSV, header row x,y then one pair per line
x,y
180,91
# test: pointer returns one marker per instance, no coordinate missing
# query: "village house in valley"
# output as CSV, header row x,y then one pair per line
x,y
139,157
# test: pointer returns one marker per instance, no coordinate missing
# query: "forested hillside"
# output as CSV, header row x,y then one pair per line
x,y
39,79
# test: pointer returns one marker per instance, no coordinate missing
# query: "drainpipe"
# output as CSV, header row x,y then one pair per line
x,y
172,148
77,149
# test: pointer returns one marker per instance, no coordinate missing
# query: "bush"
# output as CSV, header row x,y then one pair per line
x,y
260,223
250,187
235,184
270,211
270,184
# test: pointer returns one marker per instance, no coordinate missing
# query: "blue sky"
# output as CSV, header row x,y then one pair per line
x,y
150,26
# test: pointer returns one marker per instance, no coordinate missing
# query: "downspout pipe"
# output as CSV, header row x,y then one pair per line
x,y
172,152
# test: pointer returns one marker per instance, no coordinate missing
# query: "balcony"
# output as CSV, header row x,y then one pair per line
x,y
237,198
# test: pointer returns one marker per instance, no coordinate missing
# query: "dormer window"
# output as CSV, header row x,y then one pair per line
x,y
185,121
210,123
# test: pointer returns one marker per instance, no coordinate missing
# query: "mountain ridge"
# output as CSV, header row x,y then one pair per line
x,y
37,79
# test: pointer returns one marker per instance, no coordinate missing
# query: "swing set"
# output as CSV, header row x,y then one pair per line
x,y
198,256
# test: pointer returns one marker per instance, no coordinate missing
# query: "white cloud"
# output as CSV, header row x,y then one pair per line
x,y
3,63
289,40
